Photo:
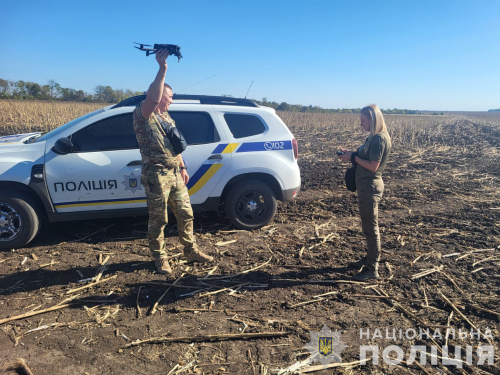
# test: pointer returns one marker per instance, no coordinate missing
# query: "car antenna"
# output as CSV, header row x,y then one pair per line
x,y
249,89
194,85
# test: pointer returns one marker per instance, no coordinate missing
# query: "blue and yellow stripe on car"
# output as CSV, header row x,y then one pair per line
x,y
265,146
202,176
208,170
225,148
100,202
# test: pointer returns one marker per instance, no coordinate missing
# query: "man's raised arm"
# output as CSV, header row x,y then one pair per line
x,y
155,91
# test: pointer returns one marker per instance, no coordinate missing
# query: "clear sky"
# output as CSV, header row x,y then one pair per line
x,y
427,55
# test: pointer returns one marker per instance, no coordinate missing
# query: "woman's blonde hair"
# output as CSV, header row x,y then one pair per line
x,y
377,123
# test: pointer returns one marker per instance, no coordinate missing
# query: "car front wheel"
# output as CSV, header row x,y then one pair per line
x,y
19,221
250,205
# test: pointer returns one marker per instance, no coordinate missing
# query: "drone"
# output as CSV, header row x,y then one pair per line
x,y
172,49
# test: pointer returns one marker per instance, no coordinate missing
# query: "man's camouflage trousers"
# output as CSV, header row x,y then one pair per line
x,y
165,187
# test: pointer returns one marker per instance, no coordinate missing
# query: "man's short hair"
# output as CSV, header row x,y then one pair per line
x,y
167,85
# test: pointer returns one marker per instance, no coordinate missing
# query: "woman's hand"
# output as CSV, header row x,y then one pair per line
x,y
346,156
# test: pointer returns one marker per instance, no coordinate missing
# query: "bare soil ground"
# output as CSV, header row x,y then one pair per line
x,y
440,210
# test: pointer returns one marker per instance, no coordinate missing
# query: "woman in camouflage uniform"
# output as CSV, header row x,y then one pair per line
x,y
371,159
164,175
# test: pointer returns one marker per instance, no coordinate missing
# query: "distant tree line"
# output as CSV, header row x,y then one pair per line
x,y
284,106
494,110
53,91
106,94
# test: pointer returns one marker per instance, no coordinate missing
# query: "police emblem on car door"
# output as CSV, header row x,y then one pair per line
x,y
131,182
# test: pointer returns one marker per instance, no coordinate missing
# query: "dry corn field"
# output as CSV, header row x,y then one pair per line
x,y
440,266
24,116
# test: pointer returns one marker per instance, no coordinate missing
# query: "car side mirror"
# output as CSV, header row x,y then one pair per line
x,y
63,146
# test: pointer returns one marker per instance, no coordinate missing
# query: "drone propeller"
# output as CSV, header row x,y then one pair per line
x,y
141,45
149,51
145,49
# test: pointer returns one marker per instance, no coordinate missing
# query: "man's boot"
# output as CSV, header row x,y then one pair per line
x,y
358,264
162,266
195,255
366,274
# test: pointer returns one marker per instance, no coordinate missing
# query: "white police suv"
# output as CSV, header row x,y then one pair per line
x,y
240,156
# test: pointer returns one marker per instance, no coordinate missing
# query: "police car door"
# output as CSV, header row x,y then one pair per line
x,y
206,155
103,171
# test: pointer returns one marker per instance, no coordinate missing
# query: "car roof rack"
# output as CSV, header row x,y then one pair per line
x,y
217,100
203,99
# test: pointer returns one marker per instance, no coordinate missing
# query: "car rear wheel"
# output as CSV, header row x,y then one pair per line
x,y
250,205
19,222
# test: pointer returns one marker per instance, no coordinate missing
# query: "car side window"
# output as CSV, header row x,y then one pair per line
x,y
113,133
196,127
244,125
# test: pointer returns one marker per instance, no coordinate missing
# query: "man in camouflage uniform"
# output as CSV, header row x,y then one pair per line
x,y
164,175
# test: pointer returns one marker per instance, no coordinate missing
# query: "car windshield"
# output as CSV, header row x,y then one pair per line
x,y
61,128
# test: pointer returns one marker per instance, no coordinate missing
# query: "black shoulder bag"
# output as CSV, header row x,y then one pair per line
x,y
350,175
175,137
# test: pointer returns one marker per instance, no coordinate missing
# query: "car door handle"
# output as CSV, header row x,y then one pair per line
x,y
134,163
215,157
